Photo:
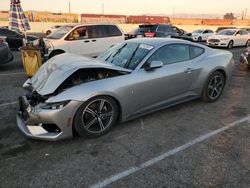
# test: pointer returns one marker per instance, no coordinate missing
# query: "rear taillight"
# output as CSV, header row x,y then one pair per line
x,y
149,34
2,40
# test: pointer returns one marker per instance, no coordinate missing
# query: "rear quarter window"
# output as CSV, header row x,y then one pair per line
x,y
113,31
196,51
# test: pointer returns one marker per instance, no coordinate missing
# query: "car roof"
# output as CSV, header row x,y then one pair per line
x,y
230,29
77,25
157,41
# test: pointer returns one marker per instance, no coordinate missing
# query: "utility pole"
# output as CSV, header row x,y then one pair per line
x,y
69,7
102,7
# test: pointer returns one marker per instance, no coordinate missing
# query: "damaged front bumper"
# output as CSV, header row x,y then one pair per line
x,y
49,125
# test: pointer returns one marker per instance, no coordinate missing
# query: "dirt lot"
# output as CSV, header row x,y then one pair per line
x,y
170,148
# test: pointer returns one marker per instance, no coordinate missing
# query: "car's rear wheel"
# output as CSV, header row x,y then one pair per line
x,y
248,43
214,87
96,116
199,39
230,44
48,32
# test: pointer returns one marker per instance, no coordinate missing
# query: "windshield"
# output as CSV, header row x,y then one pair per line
x,y
198,31
60,32
227,32
126,55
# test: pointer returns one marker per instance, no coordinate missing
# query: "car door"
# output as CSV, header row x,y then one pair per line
x,y
78,42
169,83
102,37
238,38
245,37
206,34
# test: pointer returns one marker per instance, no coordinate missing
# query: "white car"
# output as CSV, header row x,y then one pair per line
x,y
88,40
201,34
52,29
230,38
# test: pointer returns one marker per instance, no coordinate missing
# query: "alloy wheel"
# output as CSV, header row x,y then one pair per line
x,y
231,44
248,43
215,87
97,116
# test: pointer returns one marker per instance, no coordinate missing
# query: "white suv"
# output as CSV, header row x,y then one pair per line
x,y
88,40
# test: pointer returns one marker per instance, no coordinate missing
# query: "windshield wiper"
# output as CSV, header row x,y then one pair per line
x,y
132,56
118,51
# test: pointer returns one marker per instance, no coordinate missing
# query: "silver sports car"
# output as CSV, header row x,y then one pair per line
x,y
71,93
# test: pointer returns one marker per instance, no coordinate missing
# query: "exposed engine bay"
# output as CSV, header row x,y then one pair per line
x,y
79,77
87,75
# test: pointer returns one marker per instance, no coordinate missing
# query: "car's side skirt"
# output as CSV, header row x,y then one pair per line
x,y
160,106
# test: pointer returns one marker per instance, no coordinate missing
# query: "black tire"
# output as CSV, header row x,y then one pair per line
x,y
248,43
48,32
230,44
54,53
199,39
214,87
96,117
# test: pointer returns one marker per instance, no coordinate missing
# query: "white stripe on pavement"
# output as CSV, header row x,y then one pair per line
x,y
163,156
7,104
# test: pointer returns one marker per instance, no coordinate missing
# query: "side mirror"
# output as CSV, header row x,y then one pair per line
x,y
153,65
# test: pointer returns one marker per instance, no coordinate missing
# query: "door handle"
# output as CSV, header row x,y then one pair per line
x,y
93,40
189,70
86,41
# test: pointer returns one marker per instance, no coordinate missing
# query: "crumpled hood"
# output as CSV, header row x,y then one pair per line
x,y
52,74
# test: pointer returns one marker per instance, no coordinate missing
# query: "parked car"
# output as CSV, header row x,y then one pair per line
x,y
230,38
201,34
156,30
224,27
4,27
52,29
246,28
5,53
133,78
14,39
89,40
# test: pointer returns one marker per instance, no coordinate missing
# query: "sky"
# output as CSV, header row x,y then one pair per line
x,y
134,7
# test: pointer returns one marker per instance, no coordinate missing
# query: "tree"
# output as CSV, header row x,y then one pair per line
x,y
229,16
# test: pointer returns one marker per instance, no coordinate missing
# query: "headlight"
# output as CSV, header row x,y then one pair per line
x,y
55,106
224,39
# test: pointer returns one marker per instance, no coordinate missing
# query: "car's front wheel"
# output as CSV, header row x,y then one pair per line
x,y
48,32
248,43
230,44
214,87
199,39
96,116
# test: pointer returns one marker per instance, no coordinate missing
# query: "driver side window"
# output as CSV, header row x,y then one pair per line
x,y
172,53
238,33
79,33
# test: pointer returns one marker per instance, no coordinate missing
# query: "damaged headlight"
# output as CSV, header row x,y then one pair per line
x,y
55,106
